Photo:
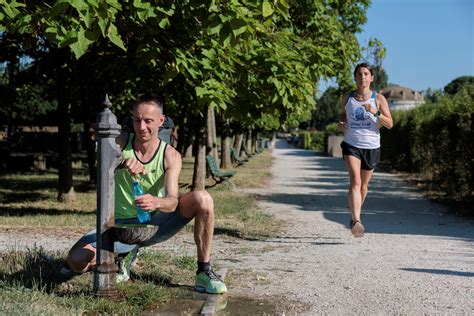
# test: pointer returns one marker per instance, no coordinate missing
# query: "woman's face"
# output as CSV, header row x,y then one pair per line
x,y
363,77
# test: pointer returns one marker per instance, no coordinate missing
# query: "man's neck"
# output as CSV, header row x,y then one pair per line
x,y
146,149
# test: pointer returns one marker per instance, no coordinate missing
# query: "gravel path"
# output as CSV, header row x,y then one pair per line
x,y
413,259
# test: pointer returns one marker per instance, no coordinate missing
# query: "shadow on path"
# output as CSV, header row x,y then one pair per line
x,y
317,183
440,271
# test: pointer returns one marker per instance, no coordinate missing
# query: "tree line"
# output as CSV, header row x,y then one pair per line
x,y
248,65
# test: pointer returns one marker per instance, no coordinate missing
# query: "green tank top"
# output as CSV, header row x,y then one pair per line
x,y
153,182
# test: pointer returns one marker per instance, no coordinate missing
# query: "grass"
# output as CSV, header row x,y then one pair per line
x,y
30,285
28,279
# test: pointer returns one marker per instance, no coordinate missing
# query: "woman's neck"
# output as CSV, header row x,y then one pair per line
x,y
363,93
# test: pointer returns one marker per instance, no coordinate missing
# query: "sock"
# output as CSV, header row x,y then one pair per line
x,y
203,267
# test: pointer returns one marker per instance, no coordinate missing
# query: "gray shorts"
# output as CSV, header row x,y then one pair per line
x,y
169,224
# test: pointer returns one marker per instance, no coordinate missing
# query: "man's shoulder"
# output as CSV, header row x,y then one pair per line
x,y
172,153
122,139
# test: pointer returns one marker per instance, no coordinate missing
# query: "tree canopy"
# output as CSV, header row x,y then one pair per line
x,y
254,59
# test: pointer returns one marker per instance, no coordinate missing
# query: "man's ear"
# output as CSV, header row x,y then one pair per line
x,y
162,119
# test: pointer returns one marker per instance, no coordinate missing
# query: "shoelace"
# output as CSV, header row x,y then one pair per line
x,y
119,263
212,275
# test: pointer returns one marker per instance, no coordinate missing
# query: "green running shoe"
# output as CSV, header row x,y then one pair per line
x,y
209,282
125,264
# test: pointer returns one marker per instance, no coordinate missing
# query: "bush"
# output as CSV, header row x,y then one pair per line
x,y
436,140
313,140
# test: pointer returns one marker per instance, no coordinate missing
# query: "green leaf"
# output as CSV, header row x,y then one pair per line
x,y
103,22
87,18
267,9
59,8
114,37
213,7
114,4
206,64
214,29
164,23
238,26
79,5
140,4
168,12
68,39
11,11
209,53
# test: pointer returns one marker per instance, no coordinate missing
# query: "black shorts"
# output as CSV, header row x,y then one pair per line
x,y
368,157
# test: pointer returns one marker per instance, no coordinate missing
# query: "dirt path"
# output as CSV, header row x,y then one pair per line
x,y
413,258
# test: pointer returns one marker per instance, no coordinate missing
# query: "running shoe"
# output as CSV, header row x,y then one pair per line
x,y
125,262
357,229
209,282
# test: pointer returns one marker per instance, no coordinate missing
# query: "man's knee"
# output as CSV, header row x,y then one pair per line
x,y
194,203
204,201
81,257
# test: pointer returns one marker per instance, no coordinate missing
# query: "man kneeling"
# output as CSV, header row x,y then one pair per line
x,y
158,166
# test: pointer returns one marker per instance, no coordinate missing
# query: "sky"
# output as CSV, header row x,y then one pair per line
x,y
429,42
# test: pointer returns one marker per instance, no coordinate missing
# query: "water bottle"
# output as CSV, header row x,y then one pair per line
x,y
143,216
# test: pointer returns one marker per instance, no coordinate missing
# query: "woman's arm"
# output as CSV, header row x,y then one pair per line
x,y
343,118
385,117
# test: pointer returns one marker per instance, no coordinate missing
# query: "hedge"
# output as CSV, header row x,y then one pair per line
x,y
436,139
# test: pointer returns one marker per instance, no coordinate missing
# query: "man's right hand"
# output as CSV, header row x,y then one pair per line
x,y
134,167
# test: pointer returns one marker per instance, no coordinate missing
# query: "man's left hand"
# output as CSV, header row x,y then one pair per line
x,y
146,202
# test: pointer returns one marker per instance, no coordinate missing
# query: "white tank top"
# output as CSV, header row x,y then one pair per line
x,y
361,126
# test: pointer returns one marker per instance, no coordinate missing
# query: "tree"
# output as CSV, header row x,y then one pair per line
x,y
375,55
255,62
328,108
455,85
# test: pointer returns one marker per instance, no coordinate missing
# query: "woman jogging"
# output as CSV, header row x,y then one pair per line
x,y
363,112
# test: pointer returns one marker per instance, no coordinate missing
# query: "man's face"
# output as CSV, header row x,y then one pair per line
x,y
147,119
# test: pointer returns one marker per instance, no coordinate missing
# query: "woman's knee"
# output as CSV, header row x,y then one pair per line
x,y
355,182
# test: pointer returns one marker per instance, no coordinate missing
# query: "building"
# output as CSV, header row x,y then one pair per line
x,y
401,98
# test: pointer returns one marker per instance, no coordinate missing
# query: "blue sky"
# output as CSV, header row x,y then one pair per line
x,y
429,42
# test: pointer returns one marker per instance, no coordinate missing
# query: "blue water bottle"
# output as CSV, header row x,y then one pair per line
x,y
143,216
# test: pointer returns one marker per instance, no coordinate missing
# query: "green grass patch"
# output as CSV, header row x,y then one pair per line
x,y
29,279
29,284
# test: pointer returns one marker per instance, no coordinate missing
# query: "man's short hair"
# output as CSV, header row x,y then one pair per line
x,y
154,99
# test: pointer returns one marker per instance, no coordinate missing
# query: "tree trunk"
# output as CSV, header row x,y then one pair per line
x,y
211,133
248,141
238,142
254,142
225,145
185,137
89,136
199,175
65,182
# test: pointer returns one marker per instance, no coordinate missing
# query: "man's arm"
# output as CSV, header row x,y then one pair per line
x,y
170,201
133,166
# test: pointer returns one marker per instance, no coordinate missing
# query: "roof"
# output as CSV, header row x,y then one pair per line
x,y
397,92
